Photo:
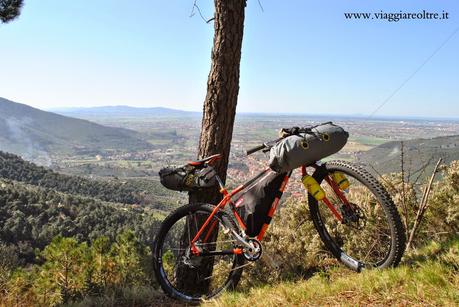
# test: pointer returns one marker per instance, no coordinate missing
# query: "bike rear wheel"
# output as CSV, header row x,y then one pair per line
x,y
372,234
185,275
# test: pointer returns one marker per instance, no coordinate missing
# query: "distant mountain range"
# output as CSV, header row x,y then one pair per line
x,y
386,157
33,134
122,112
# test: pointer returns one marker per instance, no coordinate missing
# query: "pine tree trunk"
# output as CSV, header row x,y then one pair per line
x,y
218,114
223,83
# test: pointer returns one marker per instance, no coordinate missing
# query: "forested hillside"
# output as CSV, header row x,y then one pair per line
x,y
31,216
130,192
57,231
34,133
417,153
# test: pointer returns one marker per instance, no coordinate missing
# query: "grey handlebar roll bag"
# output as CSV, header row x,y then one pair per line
x,y
297,150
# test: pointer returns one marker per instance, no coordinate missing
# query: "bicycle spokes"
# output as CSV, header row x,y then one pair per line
x,y
208,261
363,232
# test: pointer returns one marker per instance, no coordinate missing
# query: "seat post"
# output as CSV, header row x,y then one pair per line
x,y
221,185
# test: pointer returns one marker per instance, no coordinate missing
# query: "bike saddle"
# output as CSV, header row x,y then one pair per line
x,y
207,160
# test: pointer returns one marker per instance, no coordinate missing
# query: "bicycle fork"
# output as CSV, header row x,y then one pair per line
x,y
342,198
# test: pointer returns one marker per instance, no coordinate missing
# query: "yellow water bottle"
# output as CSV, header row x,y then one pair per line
x,y
340,180
313,187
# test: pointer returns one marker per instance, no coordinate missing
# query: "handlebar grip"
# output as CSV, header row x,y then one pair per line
x,y
255,149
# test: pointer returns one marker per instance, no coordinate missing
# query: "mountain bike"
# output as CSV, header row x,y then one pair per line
x,y
201,249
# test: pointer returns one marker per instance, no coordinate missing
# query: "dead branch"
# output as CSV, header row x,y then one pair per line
x,y
197,8
422,170
423,206
402,167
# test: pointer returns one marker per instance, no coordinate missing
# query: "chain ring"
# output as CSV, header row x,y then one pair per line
x,y
253,253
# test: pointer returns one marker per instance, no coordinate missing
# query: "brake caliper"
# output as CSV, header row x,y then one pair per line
x,y
352,215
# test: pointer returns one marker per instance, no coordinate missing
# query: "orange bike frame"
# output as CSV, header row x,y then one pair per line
x,y
227,200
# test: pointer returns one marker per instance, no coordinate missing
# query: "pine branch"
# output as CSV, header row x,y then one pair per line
x,y
10,9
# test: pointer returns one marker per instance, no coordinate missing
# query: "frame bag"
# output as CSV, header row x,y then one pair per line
x,y
257,199
297,150
188,177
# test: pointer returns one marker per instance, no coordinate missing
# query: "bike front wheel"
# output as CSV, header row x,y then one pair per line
x,y
371,234
192,276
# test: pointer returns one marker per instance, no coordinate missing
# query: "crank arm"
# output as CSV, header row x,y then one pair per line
x,y
241,240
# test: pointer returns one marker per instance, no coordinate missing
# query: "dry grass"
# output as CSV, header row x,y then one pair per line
x,y
428,277
430,284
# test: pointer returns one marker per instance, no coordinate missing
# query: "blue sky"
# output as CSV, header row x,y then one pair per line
x,y
298,56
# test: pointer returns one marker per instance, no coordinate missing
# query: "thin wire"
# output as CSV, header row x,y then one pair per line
x,y
261,6
414,73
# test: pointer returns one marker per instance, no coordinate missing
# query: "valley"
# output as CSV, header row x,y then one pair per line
x,y
133,144
174,141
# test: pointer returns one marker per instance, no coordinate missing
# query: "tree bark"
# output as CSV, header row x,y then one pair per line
x,y
223,83
218,114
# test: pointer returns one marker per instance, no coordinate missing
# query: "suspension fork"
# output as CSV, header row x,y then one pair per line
x,y
337,190
327,202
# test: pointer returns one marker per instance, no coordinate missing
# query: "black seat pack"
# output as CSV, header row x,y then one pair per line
x,y
297,150
188,177
256,200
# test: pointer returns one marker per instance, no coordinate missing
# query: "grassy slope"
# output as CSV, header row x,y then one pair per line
x,y
146,192
427,277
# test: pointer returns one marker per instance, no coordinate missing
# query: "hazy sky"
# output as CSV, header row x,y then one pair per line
x,y
298,56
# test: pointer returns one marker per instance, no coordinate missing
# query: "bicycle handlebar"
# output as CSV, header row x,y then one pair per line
x,y
283,133
263,146
255,149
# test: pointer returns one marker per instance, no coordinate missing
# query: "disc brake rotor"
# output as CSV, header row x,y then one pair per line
x,y
353,216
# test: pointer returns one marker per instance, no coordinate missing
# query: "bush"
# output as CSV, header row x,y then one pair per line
x,y
72,271
291,245
294,245
441,220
